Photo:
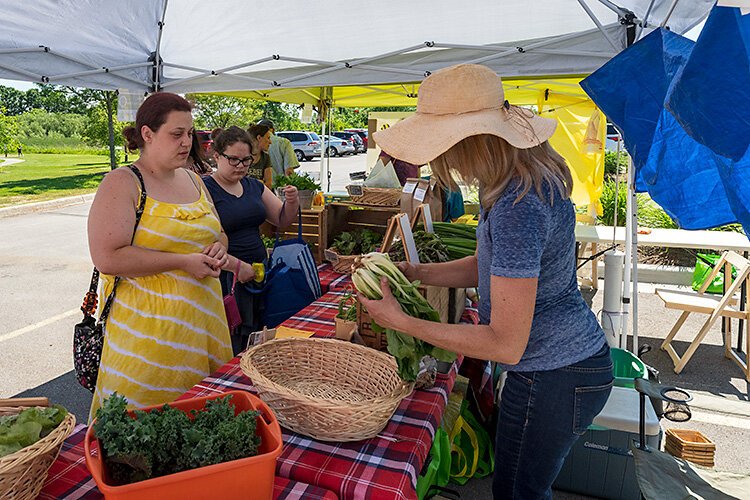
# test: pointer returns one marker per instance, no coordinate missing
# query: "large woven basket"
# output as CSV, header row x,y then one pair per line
x,y
327,389
379,197
22,474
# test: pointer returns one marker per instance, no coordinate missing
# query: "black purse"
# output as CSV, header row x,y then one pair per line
x,y
88,335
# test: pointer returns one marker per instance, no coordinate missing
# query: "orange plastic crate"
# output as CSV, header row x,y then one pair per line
x,y
251,477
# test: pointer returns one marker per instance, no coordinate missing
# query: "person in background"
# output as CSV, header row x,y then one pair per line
x,y
167,329
243,204
196,162
281,151
533,320
404,170
261,168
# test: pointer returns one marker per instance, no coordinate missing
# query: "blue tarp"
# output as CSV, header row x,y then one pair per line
x,y
698,188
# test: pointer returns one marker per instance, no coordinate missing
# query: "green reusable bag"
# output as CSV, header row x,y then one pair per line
x,y
472,453
703,266
438,469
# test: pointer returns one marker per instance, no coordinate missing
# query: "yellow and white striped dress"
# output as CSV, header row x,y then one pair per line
x,y
168,331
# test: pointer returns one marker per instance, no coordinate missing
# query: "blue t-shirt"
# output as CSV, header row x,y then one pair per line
x,y
241,218
533,239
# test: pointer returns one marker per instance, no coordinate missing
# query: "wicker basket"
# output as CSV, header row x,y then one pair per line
x,y
341,263
690,445
325,388
379,197
22,474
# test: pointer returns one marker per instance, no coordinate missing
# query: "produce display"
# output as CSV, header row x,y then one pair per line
x,y
28,427
166,441
407,350
430,248
303,182
460,239
357,242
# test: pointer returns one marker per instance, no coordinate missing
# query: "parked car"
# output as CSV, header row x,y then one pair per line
x,y
337,146
354,138
306,144
204,139
361,132
612,138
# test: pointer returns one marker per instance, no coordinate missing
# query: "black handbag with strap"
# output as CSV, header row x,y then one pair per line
x,y
88,335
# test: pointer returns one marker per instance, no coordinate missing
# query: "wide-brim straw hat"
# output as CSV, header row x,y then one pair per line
x,y
455,103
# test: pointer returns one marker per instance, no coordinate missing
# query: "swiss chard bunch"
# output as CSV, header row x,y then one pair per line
x,y
303,182
357,242
430,248
407,350
168,440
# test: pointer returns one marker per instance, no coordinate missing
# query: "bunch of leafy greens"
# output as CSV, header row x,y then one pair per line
x,y
28,427
407,350
167,440
357,242
302,182
430,248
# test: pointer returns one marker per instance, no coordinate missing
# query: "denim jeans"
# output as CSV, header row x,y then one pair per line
x,y
542,414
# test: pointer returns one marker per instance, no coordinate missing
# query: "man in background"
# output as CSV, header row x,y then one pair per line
x,y
281,151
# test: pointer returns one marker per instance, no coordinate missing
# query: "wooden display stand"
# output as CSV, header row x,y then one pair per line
x,y
314,230
342,216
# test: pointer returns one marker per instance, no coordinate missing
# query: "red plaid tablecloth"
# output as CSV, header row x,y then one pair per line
x,y
382,467
330,280
69,478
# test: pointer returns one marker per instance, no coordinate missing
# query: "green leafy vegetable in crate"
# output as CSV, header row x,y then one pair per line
x,y
28,427
303,182
430,248
167,440
407,350
357,242
459,239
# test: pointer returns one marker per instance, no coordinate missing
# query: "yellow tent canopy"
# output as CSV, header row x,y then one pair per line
x,y
580,135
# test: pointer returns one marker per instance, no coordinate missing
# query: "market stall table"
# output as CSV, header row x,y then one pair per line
x,y
383,467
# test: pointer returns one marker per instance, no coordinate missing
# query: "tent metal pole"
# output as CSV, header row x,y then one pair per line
x,y
614,8
23,50
71,59
598,24
669,13
644,24
626,291
634,256
34,77
157,59
102,70
493,48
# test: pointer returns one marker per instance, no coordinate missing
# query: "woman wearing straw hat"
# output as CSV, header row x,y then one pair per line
x,y
533,319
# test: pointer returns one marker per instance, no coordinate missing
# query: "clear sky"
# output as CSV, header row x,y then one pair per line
x,y
17,84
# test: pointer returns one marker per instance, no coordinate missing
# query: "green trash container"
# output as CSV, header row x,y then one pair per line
x,y
626,367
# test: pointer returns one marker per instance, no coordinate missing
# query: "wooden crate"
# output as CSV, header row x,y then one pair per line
x,y
690,445
314,230
350,216
438,297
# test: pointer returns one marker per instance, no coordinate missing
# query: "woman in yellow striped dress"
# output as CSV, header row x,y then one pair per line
x,y
167,329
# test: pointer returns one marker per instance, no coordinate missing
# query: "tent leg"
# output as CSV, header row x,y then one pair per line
x,y
626,280
634,252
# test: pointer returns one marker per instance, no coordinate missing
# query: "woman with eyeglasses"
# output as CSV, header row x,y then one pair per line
x,y
243,203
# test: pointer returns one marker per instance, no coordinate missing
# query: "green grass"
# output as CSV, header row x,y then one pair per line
x,y
48,176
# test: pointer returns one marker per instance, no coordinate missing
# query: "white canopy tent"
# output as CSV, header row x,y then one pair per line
x,y
226,45
298,51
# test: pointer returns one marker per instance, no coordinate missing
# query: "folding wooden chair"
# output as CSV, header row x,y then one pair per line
x,y
726,306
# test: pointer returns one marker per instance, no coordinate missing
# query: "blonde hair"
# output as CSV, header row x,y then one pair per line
x,y
492,163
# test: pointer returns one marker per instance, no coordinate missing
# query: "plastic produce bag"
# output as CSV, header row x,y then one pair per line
x,y
382,176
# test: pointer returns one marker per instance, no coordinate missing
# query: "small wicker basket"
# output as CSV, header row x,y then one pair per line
x,y
341,263
22,474
379,197
325,388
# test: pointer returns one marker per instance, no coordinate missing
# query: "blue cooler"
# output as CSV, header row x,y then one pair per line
x,y
601,464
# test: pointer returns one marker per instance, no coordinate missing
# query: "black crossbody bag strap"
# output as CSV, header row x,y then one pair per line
x,y
90,301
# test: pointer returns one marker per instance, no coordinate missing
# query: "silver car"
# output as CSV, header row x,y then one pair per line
x,y
338,147
307,145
